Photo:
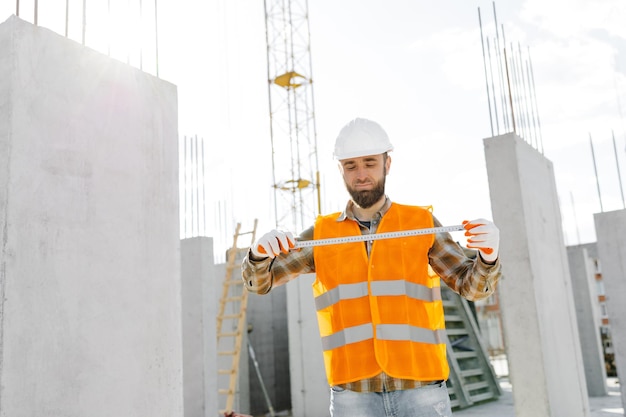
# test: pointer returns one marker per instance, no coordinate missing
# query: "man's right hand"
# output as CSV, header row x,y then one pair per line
x,y
272,244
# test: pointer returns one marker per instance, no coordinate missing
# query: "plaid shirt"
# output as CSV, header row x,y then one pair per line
x,y
472,278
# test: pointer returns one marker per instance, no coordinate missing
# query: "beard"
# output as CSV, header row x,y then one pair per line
x,y
367,198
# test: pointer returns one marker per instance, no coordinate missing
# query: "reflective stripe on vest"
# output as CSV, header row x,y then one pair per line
x,y
341,292
410,289
412,333
379,288
383,332
348,335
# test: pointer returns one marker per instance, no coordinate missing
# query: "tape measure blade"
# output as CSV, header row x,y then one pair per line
x,y
377,236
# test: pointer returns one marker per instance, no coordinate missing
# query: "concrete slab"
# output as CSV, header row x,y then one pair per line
x,y
582,270
199,294
610,229
537,303
89,256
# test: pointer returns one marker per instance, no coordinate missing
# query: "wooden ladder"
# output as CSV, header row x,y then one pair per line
x,y
231,320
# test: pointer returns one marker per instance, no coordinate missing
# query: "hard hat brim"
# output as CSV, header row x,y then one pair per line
x,y
362,153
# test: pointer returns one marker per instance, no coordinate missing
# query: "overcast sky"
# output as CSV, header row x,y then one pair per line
x,y
416,67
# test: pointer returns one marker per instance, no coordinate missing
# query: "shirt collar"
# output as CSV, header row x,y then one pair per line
x,y
348,212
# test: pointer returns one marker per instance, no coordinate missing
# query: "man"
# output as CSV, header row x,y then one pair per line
x,y
378,302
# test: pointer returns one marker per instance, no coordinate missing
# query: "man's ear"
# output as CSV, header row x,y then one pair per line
x,y
388,164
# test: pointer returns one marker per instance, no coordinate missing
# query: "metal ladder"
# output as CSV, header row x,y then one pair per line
x,y
231,320
472,378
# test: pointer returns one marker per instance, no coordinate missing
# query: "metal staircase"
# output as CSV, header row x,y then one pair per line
x,y
231,321
472,379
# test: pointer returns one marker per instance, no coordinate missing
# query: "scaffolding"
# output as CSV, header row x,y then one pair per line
x,y
295,173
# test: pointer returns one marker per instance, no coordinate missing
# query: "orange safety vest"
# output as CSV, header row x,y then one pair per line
x,y
383,313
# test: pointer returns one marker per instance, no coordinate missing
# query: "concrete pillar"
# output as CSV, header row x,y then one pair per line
x,y
89,247
539,319
610,231
310,394
200,307
267,316
588,318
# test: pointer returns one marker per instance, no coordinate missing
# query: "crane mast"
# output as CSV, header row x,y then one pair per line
x,y
295,172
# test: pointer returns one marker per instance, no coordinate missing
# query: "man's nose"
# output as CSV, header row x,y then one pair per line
x,y
361,173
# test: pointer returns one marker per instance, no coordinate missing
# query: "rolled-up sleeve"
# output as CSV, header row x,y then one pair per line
x,y
256,274
469,276
260,276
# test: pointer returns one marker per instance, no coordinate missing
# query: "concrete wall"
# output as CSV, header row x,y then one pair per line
x,y
588,318
539,319
267,316
310,394
89,255
610,230
200,307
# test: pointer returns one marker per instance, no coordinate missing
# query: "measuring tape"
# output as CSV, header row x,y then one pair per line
x,y
377,236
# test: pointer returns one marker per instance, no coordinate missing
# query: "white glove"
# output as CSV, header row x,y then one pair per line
x,y
272,244
484,236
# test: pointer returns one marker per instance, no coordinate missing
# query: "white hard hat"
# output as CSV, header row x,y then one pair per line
x,y
361,137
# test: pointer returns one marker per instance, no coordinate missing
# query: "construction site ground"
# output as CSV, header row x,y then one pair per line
x,y
607,406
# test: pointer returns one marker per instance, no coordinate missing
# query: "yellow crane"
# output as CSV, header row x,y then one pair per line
x,y
293,132
295,172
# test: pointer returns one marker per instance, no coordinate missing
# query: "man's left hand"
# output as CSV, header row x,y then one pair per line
x,y
484,236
